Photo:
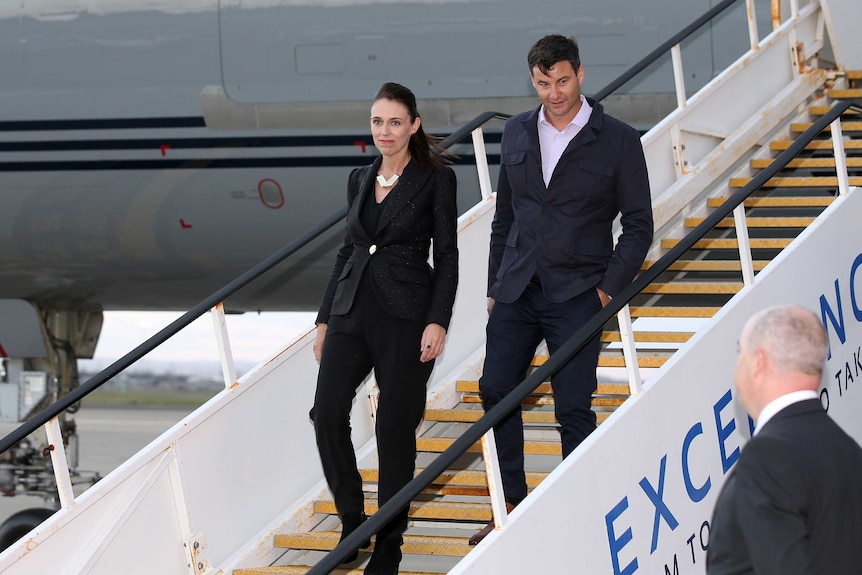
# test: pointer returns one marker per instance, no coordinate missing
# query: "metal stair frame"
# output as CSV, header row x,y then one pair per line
x,y
203,476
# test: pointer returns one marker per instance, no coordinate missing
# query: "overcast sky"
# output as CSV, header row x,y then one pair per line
x,y
253,337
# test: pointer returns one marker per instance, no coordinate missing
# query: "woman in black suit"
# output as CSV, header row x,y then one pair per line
x,y
386,309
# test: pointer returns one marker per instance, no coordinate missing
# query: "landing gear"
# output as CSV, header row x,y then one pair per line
x,y
43,346
22,523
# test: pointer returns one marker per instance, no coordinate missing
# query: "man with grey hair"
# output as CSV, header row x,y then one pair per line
x,y
793,502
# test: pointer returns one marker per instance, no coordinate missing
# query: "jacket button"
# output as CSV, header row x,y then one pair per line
x,y
372,249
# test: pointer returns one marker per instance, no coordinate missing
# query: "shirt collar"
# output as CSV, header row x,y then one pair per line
x,y
780,403
579,121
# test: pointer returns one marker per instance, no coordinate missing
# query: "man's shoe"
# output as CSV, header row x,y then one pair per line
x,y
349,525
386,557
475,539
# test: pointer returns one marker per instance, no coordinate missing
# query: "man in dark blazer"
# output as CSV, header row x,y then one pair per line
x,y
567,170
793,502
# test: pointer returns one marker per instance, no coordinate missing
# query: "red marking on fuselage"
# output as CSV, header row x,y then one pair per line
x,y
164,148
2,351
184,225
361,145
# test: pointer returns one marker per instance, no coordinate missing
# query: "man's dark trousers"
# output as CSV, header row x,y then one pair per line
x,y
514,330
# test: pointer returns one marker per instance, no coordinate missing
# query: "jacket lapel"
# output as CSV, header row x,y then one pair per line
x,y
366,186
410,183
534,154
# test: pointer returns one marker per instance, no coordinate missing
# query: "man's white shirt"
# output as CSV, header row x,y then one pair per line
x,y
553,142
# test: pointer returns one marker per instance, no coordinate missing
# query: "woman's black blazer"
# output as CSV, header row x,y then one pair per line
x,y
420,208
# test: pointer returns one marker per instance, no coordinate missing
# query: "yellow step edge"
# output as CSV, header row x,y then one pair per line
x,y
757,222
816,145
708,265
807,163
465,477
468,386
441,444
780,202
413,544
845,126
473,415
672,311
650,336
644,360
806,182
694,287
845,94
722,244
438,510
823,110
601,401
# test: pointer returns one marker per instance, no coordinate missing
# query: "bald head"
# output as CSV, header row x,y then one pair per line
x,y
793,337
782,349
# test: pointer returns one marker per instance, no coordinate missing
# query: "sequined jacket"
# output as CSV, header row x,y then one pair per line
x,y
421,207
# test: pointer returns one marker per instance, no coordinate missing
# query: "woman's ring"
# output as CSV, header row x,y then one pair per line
x,y
427,346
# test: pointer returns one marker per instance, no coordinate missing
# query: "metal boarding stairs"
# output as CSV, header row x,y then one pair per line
x,y
236,486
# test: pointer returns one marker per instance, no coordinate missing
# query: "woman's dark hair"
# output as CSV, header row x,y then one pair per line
x,y
422,147
551,49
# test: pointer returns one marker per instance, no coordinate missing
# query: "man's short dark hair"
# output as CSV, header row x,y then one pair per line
x,y
551,49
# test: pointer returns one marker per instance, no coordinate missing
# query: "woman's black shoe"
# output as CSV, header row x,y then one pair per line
x,y
348,526
386,557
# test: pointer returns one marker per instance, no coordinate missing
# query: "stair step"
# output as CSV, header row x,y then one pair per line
x,y
731,244
549,400
436,510
461,478
302,569
777,222
779,145
792,182
473,415
467,386
531,447
846,126
845,94
413,544
807,163
822,110
853,74
644,360
672,311
694,288
650,336
707,265
780,202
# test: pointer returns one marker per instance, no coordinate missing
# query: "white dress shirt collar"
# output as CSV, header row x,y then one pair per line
x,y
553,142
780,403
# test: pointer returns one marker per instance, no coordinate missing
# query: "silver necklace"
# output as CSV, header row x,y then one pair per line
x,y
384,183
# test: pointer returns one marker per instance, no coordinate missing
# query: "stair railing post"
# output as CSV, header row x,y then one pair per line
x,y
482,163
228,368
745,258
840,158
495,479
58,461
678,76
752,25
630,353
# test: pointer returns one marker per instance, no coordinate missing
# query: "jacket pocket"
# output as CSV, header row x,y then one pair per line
x,y
597,167
513,158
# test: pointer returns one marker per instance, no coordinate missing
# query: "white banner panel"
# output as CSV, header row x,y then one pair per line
x,y
637,496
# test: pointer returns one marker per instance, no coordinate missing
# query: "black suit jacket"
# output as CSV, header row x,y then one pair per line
x,y
793,502
421,207
564,230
